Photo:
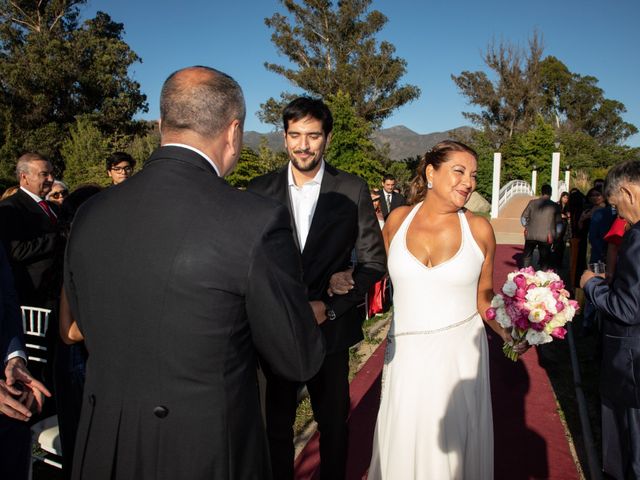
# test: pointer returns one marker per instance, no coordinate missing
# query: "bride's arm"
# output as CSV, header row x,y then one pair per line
x,y
69,331
486,240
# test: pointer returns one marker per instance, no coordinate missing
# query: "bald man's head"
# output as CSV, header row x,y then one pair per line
x,y
202,100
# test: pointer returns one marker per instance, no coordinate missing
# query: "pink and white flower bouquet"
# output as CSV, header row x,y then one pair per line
x,y
534,306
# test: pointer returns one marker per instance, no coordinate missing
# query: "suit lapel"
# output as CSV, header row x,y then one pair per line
x,y
30,204
323,208
281,193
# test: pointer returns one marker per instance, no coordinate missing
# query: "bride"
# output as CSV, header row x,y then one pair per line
x,y
435,418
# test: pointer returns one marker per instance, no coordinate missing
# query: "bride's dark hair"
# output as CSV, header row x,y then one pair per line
x,y
436,157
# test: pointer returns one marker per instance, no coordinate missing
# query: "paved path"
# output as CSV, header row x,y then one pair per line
x,y
530,440
507,226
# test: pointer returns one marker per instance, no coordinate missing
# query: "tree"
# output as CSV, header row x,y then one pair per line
x,y
351,148
510,104
534,147
334,48
527,85
249,166
84,153
579,105
53,70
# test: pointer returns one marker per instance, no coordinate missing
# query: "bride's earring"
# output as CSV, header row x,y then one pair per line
x,y
429,185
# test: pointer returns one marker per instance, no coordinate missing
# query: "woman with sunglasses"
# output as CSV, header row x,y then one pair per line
x,y
59,191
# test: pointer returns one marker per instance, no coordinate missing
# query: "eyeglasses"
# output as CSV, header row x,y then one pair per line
x,y
59,194
122,169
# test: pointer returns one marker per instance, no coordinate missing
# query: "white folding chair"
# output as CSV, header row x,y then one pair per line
x,y
45,433
35,322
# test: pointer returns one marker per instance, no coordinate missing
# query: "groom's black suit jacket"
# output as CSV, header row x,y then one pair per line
x,y
343,221
177,280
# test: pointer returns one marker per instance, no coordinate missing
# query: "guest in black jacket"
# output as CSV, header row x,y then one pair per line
x,y
618,300
20,394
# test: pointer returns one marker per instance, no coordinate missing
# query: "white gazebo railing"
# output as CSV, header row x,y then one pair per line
x,y
511,189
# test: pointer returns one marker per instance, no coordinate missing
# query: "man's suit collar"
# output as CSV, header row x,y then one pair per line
x,y
323,208
31,195
181,154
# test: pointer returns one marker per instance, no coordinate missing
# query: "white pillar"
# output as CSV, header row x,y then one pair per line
x,y
495,190
555,175
534,181
567,176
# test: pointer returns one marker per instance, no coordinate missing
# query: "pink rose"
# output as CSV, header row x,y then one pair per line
x,y
557,285
558,332
538,327
491,313
520,281
521,293
559,306
574,304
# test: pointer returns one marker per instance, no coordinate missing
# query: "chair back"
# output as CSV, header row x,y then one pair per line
x,y
35,322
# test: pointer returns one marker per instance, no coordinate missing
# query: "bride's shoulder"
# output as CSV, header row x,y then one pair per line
x,y
394,220
480,228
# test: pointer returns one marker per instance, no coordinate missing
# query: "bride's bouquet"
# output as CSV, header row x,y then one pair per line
x,y
533,306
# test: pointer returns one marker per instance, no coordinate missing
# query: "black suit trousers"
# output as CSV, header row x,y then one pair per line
x,y
329,394
15,448
544,249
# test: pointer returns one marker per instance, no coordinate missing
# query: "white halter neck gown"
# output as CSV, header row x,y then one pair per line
x,y
435,418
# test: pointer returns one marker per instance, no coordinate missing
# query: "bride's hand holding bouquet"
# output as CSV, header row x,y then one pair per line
x,y
533,307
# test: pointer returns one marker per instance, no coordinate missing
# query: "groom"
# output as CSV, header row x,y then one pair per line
x,y
332,217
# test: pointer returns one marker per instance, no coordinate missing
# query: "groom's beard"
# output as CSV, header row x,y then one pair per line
x,y
305,165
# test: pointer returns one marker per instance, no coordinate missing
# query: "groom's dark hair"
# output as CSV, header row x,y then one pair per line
x,y
303,107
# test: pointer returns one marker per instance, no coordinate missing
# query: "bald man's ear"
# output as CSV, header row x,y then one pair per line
x,y
234,136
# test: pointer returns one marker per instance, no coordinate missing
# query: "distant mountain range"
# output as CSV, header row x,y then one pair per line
x,y
402,142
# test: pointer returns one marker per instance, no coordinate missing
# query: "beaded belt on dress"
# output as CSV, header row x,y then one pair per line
x,y
428,332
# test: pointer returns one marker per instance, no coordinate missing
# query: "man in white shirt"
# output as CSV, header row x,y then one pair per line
x,y
389,198
332,216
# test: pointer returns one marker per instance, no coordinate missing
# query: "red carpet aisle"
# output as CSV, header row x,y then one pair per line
x,y
529,439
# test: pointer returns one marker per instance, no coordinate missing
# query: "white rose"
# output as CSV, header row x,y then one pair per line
x,y
497,302
537,338
509,288
503,319
546,277
537,315
541,295
557,321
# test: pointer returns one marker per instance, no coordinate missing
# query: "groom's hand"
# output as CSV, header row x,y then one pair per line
x,y
341,283
319,310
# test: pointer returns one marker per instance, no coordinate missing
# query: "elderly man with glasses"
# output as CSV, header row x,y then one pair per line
x,y
618,300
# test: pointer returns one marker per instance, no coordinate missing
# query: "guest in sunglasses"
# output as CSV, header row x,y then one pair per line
x,y
59,191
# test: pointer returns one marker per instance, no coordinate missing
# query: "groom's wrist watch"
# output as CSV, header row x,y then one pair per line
x,y
331,315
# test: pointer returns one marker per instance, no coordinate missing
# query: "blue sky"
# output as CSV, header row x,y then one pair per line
x,y
436,38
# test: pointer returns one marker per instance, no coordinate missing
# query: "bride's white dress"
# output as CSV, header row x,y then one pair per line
x,y
435,418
